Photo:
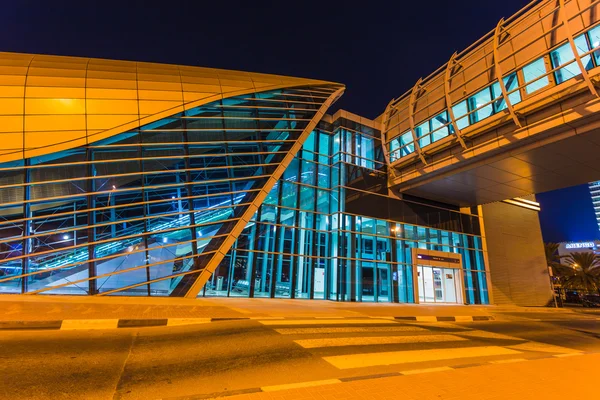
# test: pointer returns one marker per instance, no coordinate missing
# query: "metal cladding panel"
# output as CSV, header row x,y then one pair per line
x,y
517,261
53,103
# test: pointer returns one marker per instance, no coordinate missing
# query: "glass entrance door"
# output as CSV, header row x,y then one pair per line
x,y
439,285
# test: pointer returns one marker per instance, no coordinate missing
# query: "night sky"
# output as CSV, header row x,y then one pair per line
x,y
378,49
568,215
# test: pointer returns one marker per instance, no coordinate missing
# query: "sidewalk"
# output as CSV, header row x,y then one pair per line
x,y
54,308
552,378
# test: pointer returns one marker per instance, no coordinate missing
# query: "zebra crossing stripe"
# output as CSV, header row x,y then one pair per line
x,y
370,340
358,321
425,370
275,388
414,356
349,329
75,324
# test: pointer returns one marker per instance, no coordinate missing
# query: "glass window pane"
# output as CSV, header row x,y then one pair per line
x,y
309,144
511,83
324,148
563,55
594,35
394,146
460,111
422,132
307,198
533,71
323,176
437,126
477,104
406,142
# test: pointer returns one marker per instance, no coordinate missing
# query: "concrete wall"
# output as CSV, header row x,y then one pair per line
x,y
515,250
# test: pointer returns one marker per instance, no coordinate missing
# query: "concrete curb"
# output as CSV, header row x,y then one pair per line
x,y
87,324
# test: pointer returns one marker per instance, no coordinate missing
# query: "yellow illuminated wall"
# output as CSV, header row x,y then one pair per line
x,y
53,103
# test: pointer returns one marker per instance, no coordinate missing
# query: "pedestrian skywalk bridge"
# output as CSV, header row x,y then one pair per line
x,y
387,344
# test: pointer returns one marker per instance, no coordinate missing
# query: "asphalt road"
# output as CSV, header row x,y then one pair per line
x,y
227,356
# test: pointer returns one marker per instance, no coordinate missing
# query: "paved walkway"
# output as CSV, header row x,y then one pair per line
x,y
40,308
554,378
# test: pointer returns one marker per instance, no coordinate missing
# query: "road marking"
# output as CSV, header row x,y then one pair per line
x,y
187,321
300,385
74,324
373,340
568,354
414,356
463,318
543,347
349,329
240,310
427,318
449,325
327,322
488,335
426,370
510,360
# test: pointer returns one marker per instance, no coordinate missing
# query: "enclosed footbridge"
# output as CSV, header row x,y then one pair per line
x,y
514,114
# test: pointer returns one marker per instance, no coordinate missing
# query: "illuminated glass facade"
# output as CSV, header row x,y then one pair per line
x,y
120,178
595,195
136,214
328,230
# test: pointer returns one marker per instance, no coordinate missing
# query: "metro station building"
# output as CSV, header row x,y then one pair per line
x,y
139,179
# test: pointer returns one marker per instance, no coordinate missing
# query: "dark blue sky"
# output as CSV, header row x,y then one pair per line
x,y
568,215
377,48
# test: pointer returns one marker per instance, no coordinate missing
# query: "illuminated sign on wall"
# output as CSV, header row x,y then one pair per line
x,y
581,245
439,259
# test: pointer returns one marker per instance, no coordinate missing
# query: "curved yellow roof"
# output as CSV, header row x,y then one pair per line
x,y
52,103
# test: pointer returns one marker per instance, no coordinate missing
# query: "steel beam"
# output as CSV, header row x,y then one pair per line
x,y
411,119
498,71
447,79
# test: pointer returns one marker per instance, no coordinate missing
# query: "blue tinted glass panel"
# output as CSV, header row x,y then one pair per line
x,y
511,83
533,71
564,55
460,111
594,36
309,144
323,176
308,173
394,146
288,195
367,152
291,172
423,134
307,198
439,126
478,103
406,141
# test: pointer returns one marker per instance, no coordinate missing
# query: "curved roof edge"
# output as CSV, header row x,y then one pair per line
x,y
53,103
